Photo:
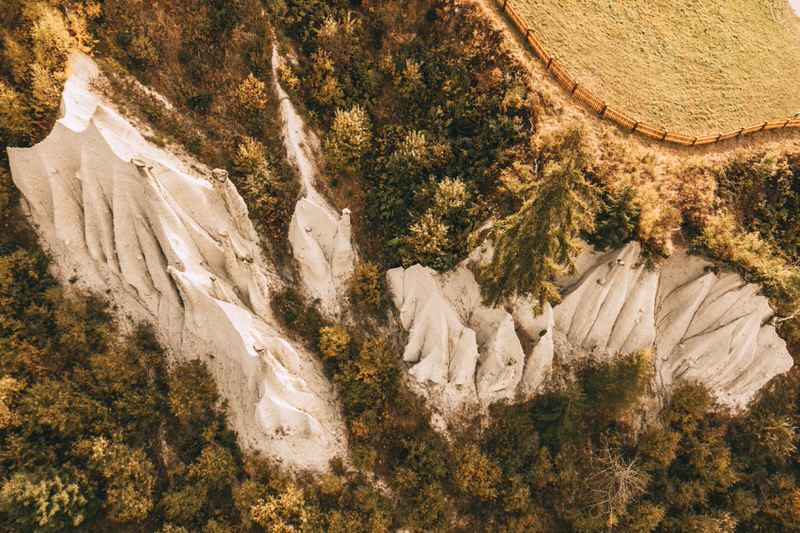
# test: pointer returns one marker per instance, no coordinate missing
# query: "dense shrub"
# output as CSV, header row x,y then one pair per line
x,y
367,286
763,191
474,474
748,251
370,378
51,43
251,95
13,114
349,138
334,343
45,501
191,392
426,243
37,40
250,157
268,200
129,478
283,513
613,387
300,319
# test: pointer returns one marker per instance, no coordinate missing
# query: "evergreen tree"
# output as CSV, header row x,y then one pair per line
x,y
539,242
616,220
349,138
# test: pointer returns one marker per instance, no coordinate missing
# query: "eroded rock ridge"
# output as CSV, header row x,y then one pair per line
x,y
172,244
701,324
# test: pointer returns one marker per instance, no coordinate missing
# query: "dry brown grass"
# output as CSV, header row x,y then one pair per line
x,y
696,67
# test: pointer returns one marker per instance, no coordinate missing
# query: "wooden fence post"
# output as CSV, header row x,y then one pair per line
x,y
764,125
505,2
575,87
740,132
635,125
719,136
603,110
694,141
665,135
550,62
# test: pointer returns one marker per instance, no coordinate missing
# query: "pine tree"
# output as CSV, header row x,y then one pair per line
x,y
539,242
349,138
617,219
251,95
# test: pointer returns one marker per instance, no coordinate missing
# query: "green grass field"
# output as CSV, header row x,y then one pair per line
x,y
692,66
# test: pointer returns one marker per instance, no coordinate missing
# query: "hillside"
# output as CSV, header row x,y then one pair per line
x,y
302,266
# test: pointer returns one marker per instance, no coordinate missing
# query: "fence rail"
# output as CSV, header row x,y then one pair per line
x,y
617,116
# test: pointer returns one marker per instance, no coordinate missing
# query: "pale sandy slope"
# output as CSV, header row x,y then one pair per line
x,y
319,237
131,221
700,323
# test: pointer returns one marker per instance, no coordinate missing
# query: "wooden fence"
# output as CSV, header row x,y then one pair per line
x,y
618,117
